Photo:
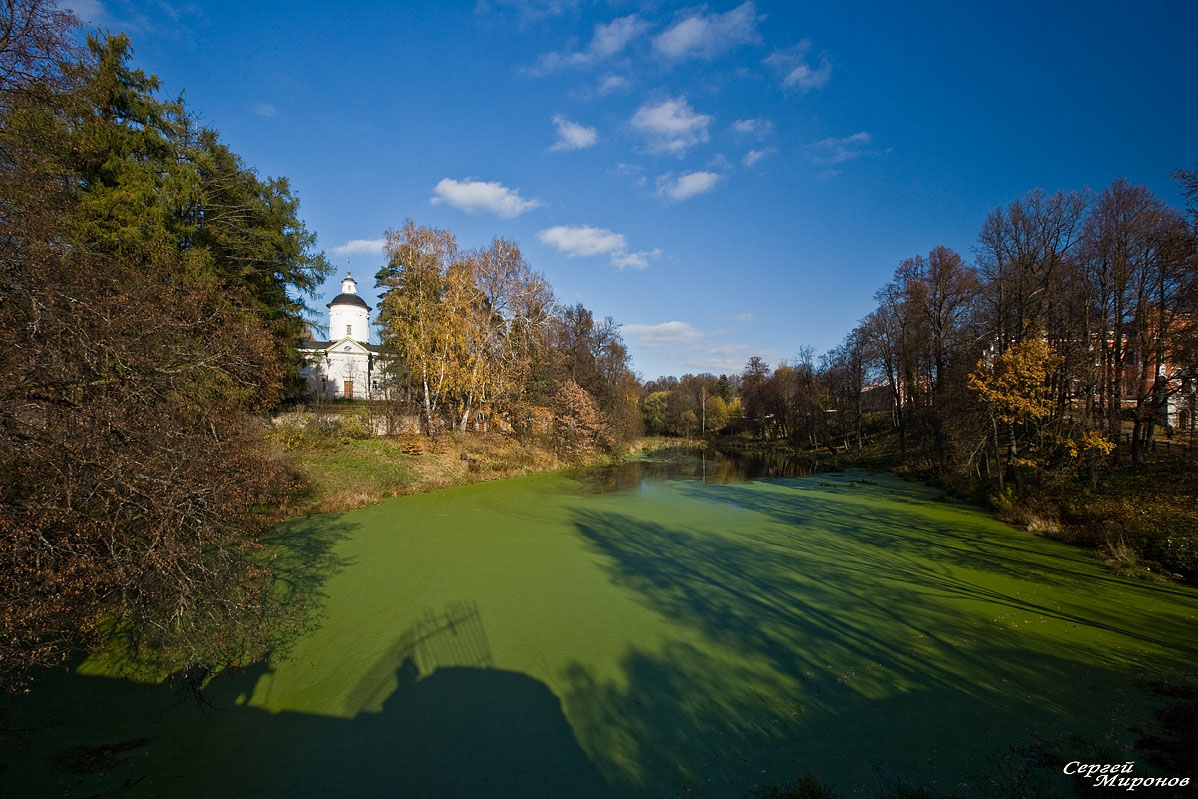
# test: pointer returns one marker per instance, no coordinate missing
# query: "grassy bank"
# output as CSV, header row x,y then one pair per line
x,y
345,474
340,467
1142,521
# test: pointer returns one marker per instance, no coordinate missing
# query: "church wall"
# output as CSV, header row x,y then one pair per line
x,y
352,316
328,376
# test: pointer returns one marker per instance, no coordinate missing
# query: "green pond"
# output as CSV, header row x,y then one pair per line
x,y
658,629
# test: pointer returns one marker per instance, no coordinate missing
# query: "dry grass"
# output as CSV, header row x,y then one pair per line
x,y
1042,525
344,474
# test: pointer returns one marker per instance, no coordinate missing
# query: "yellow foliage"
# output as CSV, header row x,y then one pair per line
x,y
1091,444
1014,387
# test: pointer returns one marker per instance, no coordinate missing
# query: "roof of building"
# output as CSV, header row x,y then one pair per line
x,y
312,344
349,299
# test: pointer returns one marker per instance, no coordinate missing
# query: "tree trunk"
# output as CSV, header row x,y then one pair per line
x,y
997,456
1012,457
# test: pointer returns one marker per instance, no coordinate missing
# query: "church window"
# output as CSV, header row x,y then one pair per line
x,y
349,330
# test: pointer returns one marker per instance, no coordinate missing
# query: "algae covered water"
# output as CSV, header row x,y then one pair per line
x,y
658,629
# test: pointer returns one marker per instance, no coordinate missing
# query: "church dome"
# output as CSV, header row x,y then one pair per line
x,y
349,294
349,299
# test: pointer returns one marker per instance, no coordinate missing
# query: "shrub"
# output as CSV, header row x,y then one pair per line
x,y
352,426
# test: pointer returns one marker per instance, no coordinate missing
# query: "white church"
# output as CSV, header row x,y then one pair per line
x,y
347,366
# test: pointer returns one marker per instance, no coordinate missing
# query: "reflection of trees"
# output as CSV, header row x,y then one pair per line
x,y
704,465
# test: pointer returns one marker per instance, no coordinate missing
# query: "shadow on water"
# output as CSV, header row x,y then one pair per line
x,y
302,556
817,628
452,637
855,637
450,725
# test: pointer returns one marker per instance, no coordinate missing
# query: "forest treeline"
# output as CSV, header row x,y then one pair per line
x,y
1078,314
1068,336
148,285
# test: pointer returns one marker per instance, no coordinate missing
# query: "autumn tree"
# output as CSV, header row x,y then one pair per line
x,y
132,348
579,427
1140,274
1014,386
754,395
1024,253
425,312
888,332
508,333
844,371
593,355
940,291
656,412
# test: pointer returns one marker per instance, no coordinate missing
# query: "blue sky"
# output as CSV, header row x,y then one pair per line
x,y
725,180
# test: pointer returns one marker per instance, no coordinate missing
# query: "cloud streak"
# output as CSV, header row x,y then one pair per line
x,y
796,68
608,40
694,350
476,196
753,157
700,35
832,151
583,241
653,337
753,127
361,247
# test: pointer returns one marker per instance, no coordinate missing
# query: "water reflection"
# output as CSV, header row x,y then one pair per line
x,y
689,463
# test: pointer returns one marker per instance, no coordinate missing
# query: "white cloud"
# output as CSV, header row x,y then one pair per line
x,y
573,135
743,317
805,78
686,185
720,161
753,156
266,110
635,260
753,127
723,358
473,196
796,69
694,350
653,337
361,247
607,41
613,37
583,241
700,35
833,151
611,83
671,126
88,11
529,9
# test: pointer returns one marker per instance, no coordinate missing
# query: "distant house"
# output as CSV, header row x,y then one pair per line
x,y
347,366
